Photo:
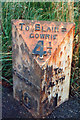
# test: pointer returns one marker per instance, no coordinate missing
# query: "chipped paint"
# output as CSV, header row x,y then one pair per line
x,y
42,55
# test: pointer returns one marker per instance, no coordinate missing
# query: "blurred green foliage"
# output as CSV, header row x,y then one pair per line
x,y
36,11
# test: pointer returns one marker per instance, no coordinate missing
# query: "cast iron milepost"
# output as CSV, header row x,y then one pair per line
x,y
42,56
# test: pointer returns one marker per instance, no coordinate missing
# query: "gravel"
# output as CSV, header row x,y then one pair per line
x,y
11,108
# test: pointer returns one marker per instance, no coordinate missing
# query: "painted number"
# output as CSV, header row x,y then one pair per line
x,y
39,45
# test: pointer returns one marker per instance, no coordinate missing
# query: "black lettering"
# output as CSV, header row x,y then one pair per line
x,y
56,81
51,36
47,35
49,47
41,52
42,36
49,51
54,36
60,70
49,43
62,78
56,29
52,29
55,70
48,29
63,29
27,28
37,27
51,84
36,35
21,25
43,29
31,35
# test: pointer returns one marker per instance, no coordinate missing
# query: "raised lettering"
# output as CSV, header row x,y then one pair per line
x,y
54,36
48,29
42,36
37,35
31,35
37,27
27,28
43,29
21,25
47,35
41,52
63,29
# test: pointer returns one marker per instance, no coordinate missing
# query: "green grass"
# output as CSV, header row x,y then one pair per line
x,y
35,11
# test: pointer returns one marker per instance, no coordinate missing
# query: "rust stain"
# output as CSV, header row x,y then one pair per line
x,y
31,42
42,55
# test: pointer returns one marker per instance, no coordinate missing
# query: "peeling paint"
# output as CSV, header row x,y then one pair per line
x,y
42,56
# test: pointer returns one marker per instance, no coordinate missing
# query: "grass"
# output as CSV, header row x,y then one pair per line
x,y
37,11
